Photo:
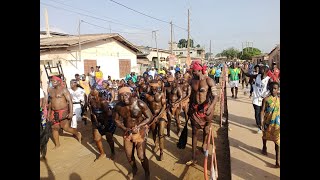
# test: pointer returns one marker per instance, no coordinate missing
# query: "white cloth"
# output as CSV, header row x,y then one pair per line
x,y
77,96
41,93
260,90
76,115
234,83
152,73
172,72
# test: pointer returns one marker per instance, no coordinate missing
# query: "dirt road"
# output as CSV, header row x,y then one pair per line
x,y
247,162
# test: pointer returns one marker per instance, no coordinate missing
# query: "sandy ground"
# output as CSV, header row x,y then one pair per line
x,y
76,161
247,162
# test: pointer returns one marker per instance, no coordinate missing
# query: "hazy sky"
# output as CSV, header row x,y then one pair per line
x,y
227,23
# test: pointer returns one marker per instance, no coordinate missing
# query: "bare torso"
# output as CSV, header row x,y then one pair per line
x,y
173,94
155,102
184,89
58,98
199,91
131,114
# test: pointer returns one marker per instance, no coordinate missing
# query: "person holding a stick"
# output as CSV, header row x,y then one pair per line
x,y
203,99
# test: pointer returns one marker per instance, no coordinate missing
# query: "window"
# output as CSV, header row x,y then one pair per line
x,y
181,52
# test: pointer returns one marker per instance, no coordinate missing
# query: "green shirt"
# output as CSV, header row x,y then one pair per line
x,y
234,74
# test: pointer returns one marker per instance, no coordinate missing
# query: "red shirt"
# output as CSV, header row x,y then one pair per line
x,y
274,75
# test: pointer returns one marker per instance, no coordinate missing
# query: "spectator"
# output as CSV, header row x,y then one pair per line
x,y
98,75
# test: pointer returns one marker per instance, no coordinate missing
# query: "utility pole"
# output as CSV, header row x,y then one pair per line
x,y
242,48
79,43
171,39
252,46
210,52
47,22
110,28
155,37
188,47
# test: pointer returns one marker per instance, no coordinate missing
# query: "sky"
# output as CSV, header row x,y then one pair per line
x,y
227,23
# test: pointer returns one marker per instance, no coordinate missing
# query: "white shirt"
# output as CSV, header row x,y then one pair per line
x,y
173,72
152,73
77,95
260,90
41,93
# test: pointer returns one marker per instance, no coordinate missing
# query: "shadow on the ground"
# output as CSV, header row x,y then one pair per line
x,y
243,122
50,173
251,150
248,172
74,176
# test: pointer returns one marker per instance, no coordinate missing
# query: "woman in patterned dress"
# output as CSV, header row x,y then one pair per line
x,y
270,116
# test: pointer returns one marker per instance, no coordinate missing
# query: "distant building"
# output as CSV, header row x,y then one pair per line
x,y
274,56
150,54
182,53
261,59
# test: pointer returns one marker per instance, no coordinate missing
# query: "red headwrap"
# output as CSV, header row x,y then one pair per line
x,y
196,66
204,68
56,78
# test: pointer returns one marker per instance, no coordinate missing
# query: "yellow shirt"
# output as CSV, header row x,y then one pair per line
x,y
162,72
213,71
85,86
99,74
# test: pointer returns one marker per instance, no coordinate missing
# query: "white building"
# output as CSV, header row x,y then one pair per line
x,y
151,55
116,56
182,53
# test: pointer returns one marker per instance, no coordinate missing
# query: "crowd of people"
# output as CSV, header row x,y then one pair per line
x,y
265,94
137,104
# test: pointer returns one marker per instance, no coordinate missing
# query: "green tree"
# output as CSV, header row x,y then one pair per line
x,y
248,52
191,43
182,43
230,53
198,45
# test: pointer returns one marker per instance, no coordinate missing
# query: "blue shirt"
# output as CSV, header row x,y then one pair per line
x,y
177,69
218,72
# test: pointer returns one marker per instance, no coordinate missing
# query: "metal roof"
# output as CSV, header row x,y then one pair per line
x,y
69,41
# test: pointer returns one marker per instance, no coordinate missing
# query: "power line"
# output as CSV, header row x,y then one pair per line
x,y
180,27
146,14
109,29
94,17
139,12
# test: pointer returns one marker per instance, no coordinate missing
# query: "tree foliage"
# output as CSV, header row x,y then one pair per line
x,y
230,53
248,52
183,43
